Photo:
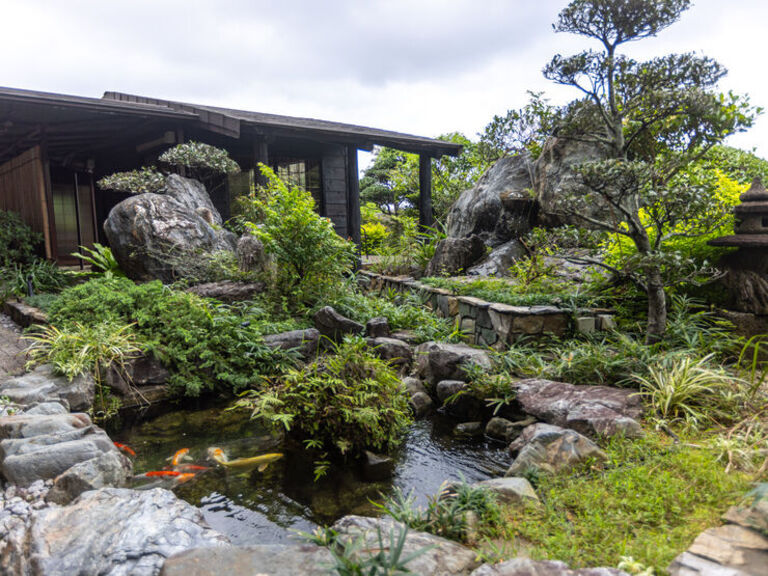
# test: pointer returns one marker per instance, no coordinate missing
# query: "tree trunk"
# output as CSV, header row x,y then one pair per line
x,y
657,308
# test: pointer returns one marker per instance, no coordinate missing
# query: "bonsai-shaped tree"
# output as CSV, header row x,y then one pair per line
x,y
200,160
652,120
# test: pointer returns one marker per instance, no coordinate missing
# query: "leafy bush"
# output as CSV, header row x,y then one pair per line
x,y
42,275
373,235
142,181
408,249
199,156
18,242
81,349
346,402
41,301
203,346
310,258
100,258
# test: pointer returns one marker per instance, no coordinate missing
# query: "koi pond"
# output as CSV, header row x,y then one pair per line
x,y
258,507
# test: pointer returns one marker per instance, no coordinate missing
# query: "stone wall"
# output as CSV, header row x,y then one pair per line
x,y
491,323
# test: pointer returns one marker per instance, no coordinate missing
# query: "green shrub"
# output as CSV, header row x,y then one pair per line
x,y
204,346
18,242
309,257
142,181
43,276
345,402
373,235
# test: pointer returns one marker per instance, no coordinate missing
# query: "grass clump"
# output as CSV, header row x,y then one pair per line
x,y
649,503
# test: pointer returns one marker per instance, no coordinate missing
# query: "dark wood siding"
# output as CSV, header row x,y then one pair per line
x,y
22,190
335,188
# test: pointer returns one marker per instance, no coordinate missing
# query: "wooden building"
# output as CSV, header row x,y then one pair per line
x,y
54,147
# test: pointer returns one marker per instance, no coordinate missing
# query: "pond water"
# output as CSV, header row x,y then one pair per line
x,y
265,507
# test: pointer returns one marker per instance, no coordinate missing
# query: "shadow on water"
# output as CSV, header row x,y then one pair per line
x,y
266,507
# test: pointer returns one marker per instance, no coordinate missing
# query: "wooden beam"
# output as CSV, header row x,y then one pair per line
x,y
260,156
425,191
354,219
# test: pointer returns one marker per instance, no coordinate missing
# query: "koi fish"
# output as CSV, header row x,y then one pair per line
x,y
193,467
159,474
258,462
185,477
179,456
125,448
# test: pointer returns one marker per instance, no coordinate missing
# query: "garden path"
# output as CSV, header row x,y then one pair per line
x,y
11,349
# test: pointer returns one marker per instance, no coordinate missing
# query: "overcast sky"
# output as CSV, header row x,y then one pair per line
x,y
421,66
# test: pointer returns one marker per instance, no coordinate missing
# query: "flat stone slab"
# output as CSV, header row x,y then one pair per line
x,y
729,549
273,560
528,567
27,426
590,410
443,557
42,385
512,490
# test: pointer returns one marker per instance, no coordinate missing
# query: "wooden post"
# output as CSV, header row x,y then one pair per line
x,y
425,190
354,219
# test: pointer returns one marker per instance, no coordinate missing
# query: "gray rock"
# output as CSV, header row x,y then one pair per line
x,y
499,207
228,290
443,558
27,426
528,567
109,469
408,336
48,461
421,404
138,372
192,195
394,351
555,179
116,532
729,549
335,326
46,409
499,261
43,385
510,490
305,342
251,256
270,560
468,429
144,230
414,385
377,466
591,410
377,327
457,401
551,449
455,255
438,361
753,515
500,429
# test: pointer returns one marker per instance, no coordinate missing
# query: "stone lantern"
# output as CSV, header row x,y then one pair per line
x,y
747,268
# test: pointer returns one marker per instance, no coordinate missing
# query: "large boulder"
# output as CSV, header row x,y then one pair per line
x,y
590,410
499,207
438,361
304,342
115,531
193,196
543,448
157,236
109,469
439,557
265,560
333,325
555,179
455,255
499,261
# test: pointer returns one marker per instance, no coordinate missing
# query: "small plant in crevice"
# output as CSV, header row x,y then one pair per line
x,y
86,349
100,258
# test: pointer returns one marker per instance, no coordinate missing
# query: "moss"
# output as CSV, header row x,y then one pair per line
x,y
650,502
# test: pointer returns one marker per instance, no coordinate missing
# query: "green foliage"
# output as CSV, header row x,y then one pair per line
x,y
649,502
86,349
373,235
100,258
41,301
18,242
43,275
205,346
310,258
142,181
408,249
200,157
348,402
448,514
403,311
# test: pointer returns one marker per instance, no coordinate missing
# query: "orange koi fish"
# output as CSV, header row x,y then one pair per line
x,y
159,474
125,448
179,456
186,477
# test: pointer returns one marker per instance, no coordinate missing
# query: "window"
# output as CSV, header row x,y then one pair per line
x,y
304,173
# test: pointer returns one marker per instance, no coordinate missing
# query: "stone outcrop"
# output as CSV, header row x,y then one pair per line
x,y
436,361
441,557
304,342
510,490
499,260
335,326
228,290
590,410
551,449
528,567
116,531
161,236
455,255
42,385
394,351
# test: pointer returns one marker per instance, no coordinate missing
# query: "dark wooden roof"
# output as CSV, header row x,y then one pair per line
x,y
229,121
